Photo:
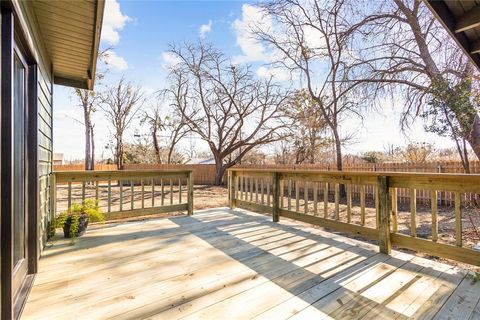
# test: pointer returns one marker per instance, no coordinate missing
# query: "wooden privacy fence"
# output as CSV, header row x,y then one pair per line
x,y
81,167
125,193
203,173
315,197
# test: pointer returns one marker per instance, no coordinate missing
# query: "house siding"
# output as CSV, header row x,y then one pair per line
x,y
45,118
45,152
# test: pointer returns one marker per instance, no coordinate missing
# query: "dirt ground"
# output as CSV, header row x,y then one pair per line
x,y
217,196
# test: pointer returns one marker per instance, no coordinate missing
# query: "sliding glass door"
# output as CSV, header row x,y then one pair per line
x,y
19,173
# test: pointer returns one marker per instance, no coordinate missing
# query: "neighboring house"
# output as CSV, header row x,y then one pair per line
x,y
201,161
57,159
42,42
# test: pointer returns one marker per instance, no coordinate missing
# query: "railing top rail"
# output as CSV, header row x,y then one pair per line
x,y
119,172
359,173
62,176
430,181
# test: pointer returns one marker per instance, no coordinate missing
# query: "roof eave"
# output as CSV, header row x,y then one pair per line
x,y
96,44
446,18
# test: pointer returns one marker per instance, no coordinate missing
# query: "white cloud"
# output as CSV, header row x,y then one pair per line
x,y
204,29
169,59
115,61
252,49
113,21
279,74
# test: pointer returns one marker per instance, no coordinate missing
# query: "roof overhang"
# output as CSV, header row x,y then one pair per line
x,y
71,33
461,18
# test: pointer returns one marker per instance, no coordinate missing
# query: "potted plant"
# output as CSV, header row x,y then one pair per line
x,y
75,220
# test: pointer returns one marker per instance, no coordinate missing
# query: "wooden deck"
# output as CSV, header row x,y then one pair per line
x,y
234,264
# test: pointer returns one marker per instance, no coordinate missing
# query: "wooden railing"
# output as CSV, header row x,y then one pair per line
x,y
126,193
326,199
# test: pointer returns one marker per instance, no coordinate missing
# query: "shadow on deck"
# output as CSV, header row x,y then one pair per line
x,y
223,263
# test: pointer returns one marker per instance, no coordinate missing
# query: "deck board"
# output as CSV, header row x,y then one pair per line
x,y
236,263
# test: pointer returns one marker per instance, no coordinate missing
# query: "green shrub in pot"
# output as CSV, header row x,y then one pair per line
x,y
75,220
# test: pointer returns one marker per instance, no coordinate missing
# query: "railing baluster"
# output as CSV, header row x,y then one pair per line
x,y
289,200
242,187
180,190
349,203
282,191
325,201
132,197
190,193
143,193
109,196
262,194
83,192
171,191
458,219
377,206
394,209
362,205
413,212
121,194
153,192
250,182
235,181
53,196
276,194
162,191
305,197
96,191
297,196
434,215
337,199
69,197
315,198
268,192
383,220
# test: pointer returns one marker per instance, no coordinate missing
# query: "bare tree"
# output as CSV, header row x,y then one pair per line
x,y
121,103
172,127
154,120
313,39
224,104
308,128
176,122
89,101
410,52
418,152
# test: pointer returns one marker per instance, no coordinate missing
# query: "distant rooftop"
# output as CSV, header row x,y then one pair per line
x,y
201,161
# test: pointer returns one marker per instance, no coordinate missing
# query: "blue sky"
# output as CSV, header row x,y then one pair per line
x,y
140,31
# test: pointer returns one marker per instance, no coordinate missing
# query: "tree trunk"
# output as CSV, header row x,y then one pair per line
x,y
156,145
169,156
474,140
339,161
119,154
92,161
219,170
87,145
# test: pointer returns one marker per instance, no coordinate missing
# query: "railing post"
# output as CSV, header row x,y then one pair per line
x,y
190,193
231,189
383,215
53,196
276,196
